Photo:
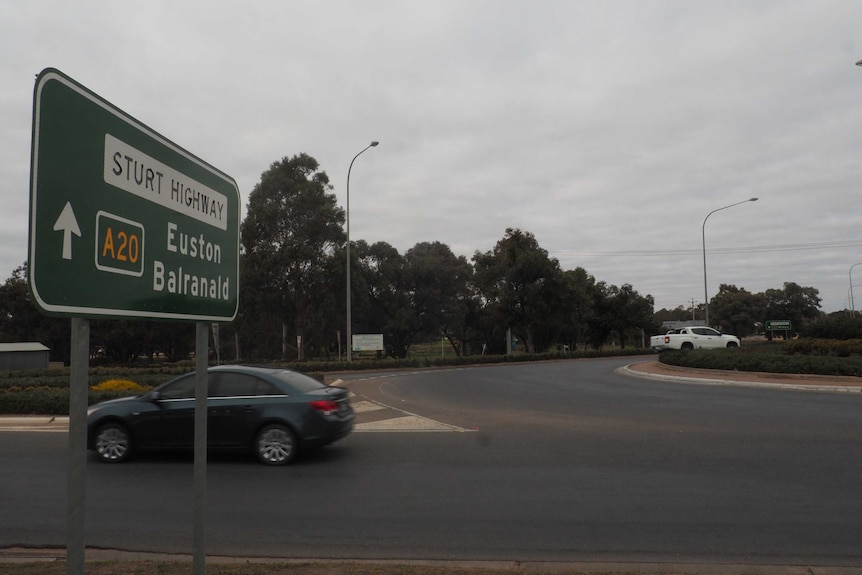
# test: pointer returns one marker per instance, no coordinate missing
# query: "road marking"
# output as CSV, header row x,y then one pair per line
x,y
406,423
401,421
366,406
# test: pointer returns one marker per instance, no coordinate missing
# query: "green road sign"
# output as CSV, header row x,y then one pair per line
x,y
123,222
778,324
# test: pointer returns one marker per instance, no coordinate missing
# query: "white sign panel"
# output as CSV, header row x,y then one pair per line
x,y
368,342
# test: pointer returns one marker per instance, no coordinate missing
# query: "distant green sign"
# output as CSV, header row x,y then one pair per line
x,y
123,222
778,325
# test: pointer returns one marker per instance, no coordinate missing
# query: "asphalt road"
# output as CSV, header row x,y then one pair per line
x,y
564,461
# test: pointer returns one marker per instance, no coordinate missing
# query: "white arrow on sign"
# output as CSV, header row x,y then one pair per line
x,y
68,225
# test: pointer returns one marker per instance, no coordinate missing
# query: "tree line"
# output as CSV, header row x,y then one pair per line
x,y
744,313
292,301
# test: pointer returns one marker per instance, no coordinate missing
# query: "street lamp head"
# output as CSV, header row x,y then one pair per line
x,y
373,144
859,63
752,199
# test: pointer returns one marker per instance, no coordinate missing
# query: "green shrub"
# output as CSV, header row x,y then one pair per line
x,y
46,392
837,327
770,359
31,380
35,401
47,400
823,347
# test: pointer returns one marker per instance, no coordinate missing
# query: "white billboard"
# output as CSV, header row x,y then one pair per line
x,y
368,342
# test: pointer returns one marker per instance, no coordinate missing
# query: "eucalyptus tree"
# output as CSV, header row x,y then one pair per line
x,y
738,311
291,232
382,297
632,315
793,302
579,306
620,314
21,321
600,322
521,286
19,318
440,290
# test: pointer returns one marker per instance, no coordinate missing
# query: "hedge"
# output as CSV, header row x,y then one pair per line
x,y
824,358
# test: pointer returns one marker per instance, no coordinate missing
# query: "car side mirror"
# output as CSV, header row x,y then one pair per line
x,y
153,396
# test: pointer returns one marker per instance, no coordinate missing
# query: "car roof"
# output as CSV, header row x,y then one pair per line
x,y
249,369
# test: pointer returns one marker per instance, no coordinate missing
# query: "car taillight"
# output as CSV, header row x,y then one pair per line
x,y
325,406
666,339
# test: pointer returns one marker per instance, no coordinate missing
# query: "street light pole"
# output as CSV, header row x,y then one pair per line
x,y
703,232
852,303
349,329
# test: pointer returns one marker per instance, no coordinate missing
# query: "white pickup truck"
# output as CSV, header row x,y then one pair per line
x,y
698,337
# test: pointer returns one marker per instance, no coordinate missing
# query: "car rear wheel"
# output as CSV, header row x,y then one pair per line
x,y
113,443
276,445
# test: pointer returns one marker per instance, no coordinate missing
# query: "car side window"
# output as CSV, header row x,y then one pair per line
x,y
704,331
180,389
266,388
238,385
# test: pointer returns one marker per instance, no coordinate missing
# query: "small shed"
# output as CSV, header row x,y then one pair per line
x,y
26,355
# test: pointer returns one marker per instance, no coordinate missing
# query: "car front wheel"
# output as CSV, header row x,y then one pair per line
x,y
275,445
113,443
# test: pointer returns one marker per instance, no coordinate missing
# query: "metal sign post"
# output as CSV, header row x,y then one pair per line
x,y
200,472
78,391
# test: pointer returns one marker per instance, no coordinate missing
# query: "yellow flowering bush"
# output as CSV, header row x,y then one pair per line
x,y
119,385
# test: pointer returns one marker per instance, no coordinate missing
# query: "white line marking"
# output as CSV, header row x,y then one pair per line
x,y
364,406
407,423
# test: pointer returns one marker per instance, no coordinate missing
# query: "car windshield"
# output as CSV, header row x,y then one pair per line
x,y
297,381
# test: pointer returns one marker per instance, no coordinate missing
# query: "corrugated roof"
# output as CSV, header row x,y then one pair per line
x,y
23,346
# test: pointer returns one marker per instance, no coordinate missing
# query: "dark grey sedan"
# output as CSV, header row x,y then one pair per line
x,y
271,412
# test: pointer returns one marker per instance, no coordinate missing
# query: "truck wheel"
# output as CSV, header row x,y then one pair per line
x,y
731,345
687,346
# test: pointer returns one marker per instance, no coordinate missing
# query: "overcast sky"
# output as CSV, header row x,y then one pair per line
x,y
609,130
